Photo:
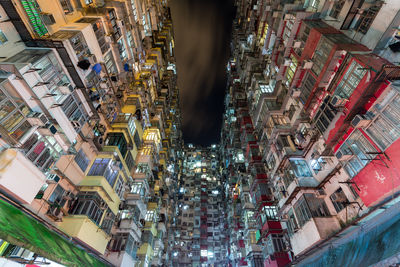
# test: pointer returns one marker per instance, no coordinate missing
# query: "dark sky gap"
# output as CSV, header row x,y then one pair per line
x,y
202,37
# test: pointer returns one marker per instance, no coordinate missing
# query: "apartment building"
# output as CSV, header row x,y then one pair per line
x,y
90,129
308,135
199,219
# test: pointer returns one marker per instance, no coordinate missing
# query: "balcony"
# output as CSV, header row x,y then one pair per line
x,y
84,229
30,179
318,228
131,224
130,105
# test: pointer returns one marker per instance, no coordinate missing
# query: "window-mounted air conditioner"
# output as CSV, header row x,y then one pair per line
x,y
360,121
48,18
344,156
307,64
320,193
296,92
337,101
281,47
66,89
287,62
53,178
37,119
92,59
297,44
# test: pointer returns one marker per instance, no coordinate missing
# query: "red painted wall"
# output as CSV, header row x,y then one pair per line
x,y
376,181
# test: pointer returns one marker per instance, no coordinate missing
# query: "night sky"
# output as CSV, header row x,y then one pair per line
x,y
202,30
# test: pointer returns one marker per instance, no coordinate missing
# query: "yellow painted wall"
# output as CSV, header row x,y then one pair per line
x,y
81,227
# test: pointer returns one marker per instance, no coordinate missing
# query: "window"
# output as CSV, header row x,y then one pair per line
x,y
120,188
326,113
137,188
367,17
82,160
268,213
122,49
386,127
99,166
300,168
288,176
271,161
291,70
320,56
130,162
42,151
149,216
358,148
113,21
288,29
118,140
66,6
275,243
3,38
339,200
317,164
307,87
313,4
110,63
91,205
75,111
147,237
336,8
57,197
302,212
350,80
291,111
292,222
108,221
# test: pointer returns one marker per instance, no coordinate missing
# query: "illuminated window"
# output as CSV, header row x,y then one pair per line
x,y
136,188
146,150
203,253
266,88
132,126
149,215
291,69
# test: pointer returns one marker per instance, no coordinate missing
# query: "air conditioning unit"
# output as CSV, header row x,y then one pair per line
x,y
66,89
48,18
287,62
120,23
47,130
37,119
92,59
307,64
296,92
320,193
55,213
297,44
360,121
53,178
108,38
344,156
69,196
281,47
76,125
337,101
103,206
